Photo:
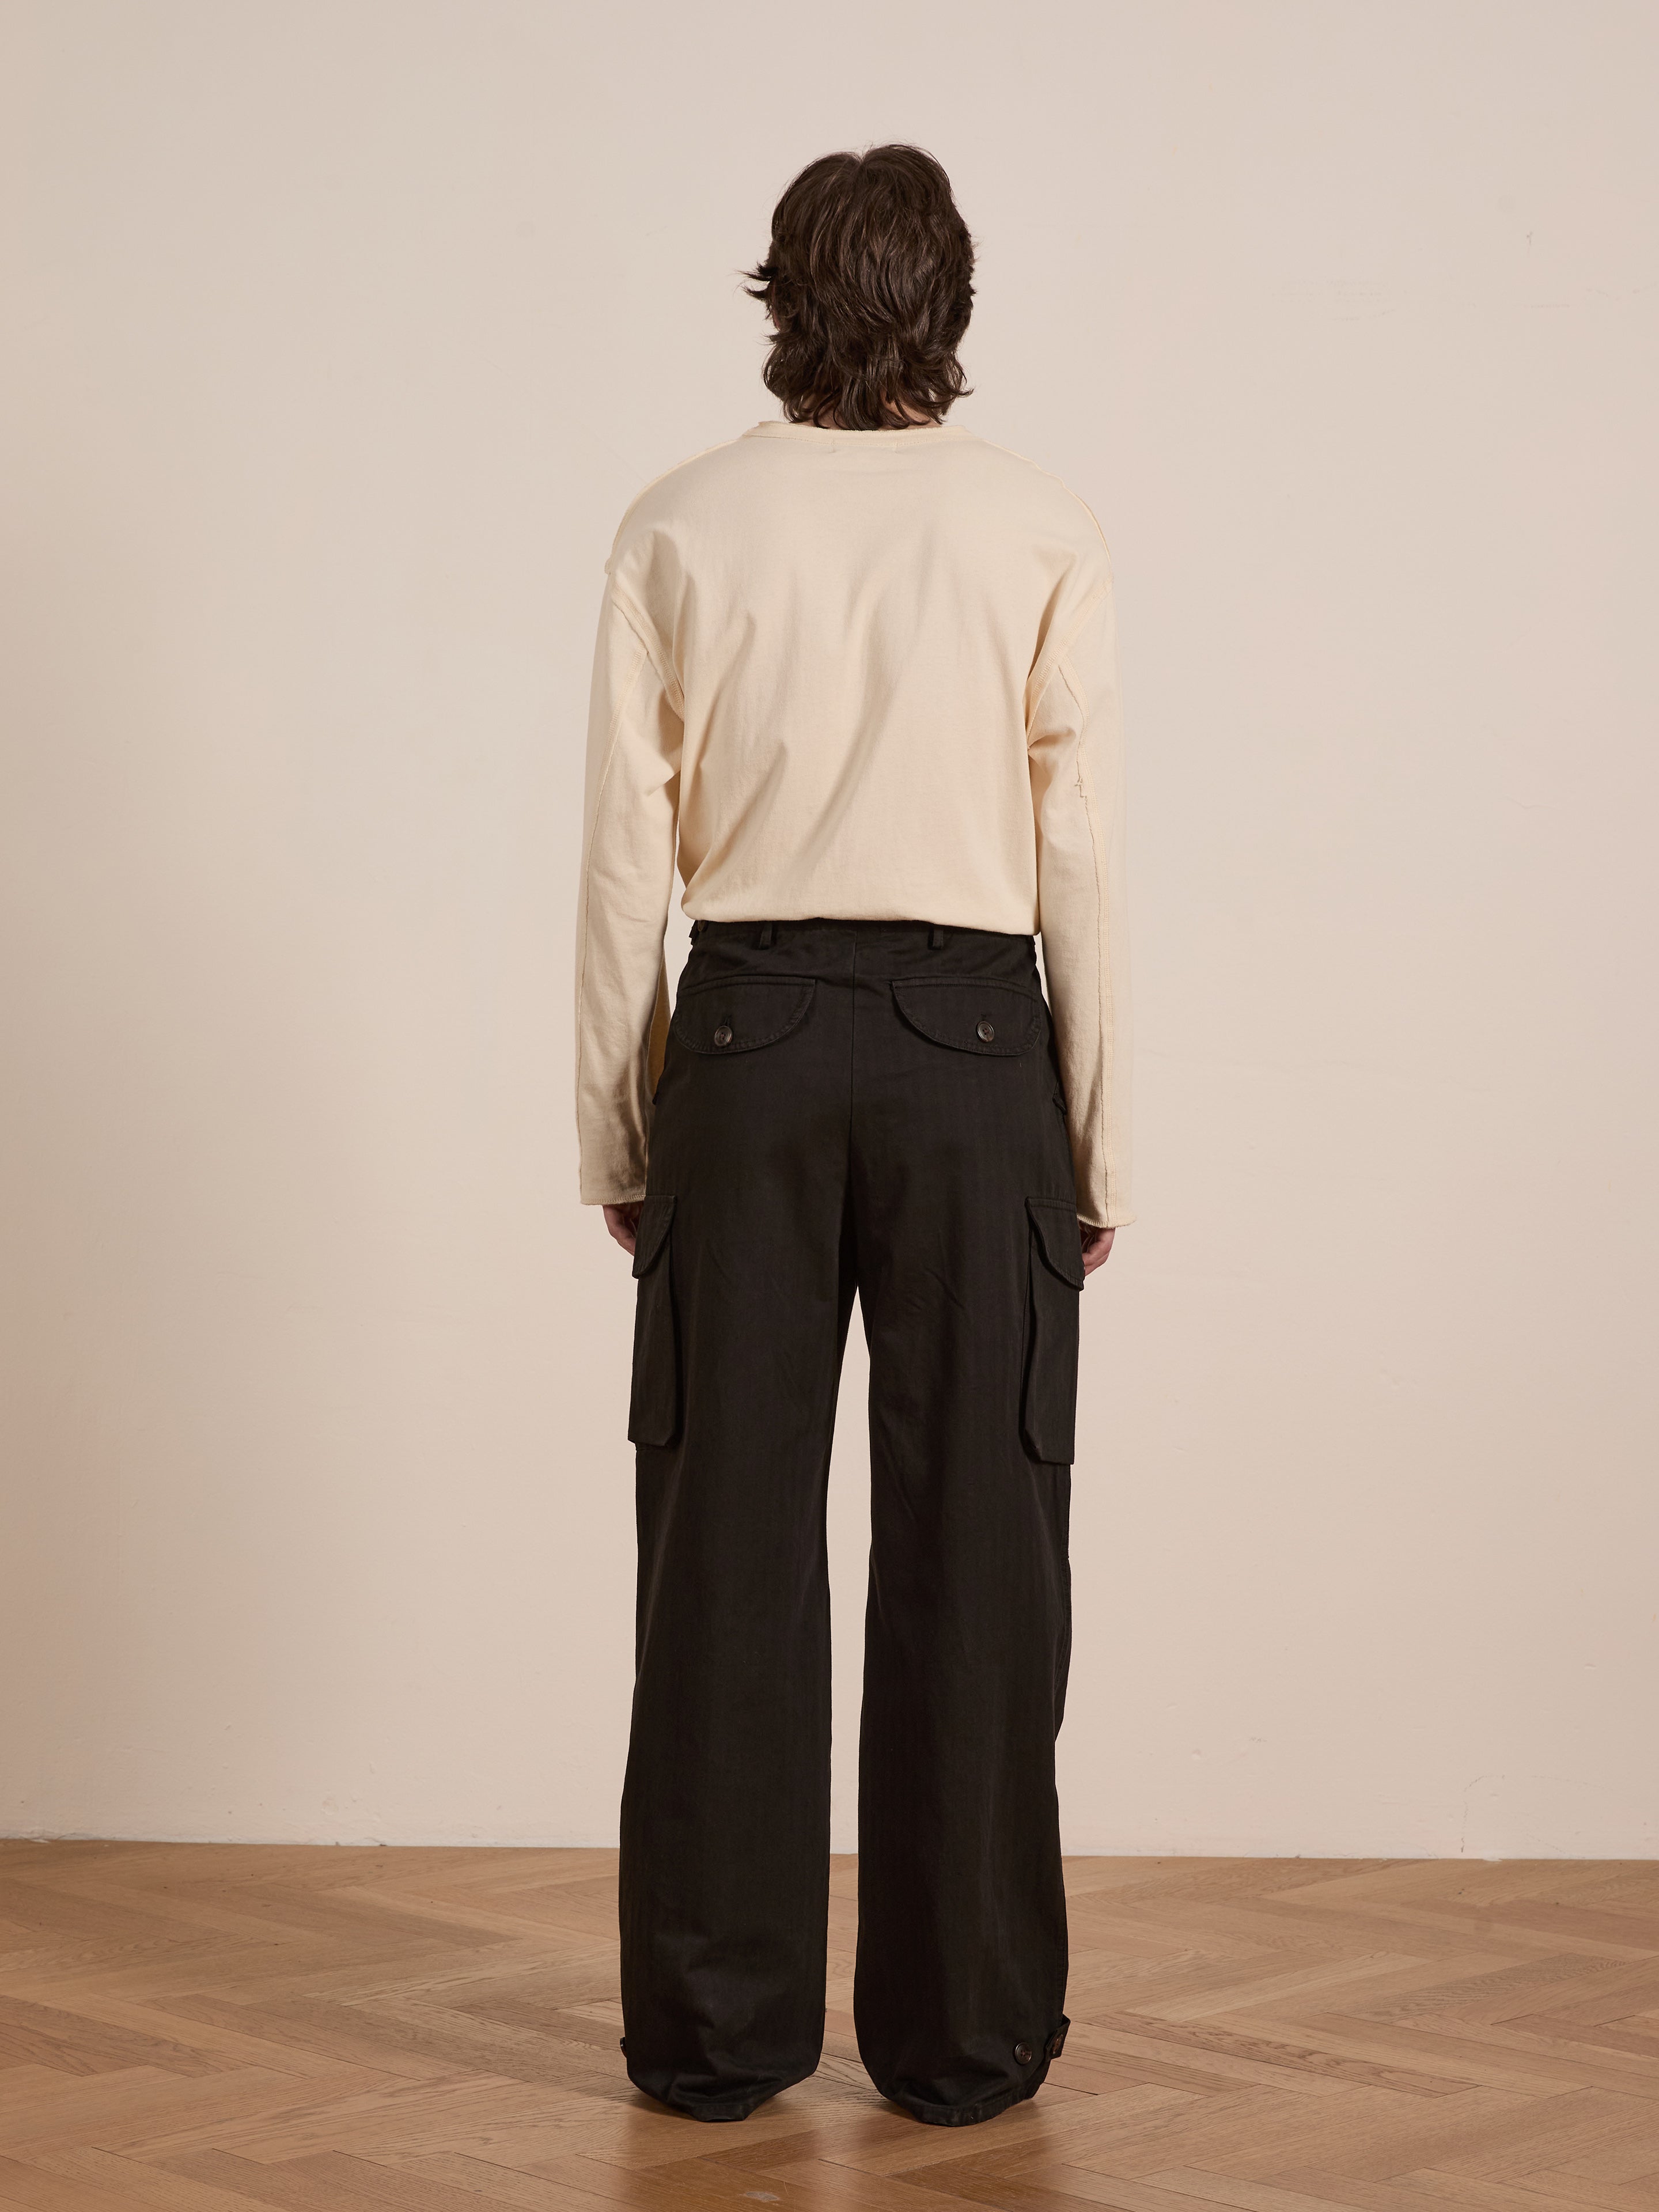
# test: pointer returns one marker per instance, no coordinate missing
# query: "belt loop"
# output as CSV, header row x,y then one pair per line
x,y
765,936
936,936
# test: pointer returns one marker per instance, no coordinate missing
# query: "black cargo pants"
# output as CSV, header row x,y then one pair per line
x,y
871,1106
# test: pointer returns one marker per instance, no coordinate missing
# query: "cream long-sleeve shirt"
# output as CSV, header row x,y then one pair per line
x,y
860,674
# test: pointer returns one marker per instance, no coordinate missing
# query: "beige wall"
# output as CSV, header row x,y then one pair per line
x,y
339,336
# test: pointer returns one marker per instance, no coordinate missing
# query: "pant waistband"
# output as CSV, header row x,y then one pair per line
x,y
935,935
837,949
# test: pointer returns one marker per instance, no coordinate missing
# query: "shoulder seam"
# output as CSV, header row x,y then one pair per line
x,y
1053,479
661,476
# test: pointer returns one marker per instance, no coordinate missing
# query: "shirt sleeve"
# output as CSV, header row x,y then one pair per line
x,y
1075,742
630,820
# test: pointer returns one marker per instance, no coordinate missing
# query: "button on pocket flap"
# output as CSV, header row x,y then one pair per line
x,y
1058,1238
652,1234
740,1016
999,1019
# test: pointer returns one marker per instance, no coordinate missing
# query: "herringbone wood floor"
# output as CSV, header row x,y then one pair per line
x,y
213,2028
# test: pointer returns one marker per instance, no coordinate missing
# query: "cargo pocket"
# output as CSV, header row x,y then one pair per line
x,y
653,1406
1048,1417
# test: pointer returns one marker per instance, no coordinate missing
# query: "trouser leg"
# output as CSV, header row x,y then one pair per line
x,y
744,1294
962,1952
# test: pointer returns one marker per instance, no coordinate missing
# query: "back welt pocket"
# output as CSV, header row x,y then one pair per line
x,y
998,1021
653,1406
741,1015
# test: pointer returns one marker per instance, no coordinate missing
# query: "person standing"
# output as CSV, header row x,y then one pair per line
x,y
855,672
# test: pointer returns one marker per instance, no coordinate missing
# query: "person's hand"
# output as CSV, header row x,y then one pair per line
x,y
1096,1243
624,1222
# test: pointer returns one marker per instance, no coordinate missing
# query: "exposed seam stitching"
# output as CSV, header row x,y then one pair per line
x,y
644,630
1060,665
587,865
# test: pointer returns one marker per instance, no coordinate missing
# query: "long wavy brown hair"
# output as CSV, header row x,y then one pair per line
x,y
869,283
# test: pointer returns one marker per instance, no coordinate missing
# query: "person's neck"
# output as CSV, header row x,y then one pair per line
x,y
912,421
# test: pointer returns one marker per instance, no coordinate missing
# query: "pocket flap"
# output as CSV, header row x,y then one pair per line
x,y
652,1234
1059,1237
998,1019
740,1016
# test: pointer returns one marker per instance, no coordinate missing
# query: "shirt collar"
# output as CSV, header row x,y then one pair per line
x,y
916,431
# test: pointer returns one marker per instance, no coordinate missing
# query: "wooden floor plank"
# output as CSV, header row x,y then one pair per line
x,y
208,2029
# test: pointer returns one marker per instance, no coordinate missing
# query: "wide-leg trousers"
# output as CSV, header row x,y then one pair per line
x,y
869,1108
